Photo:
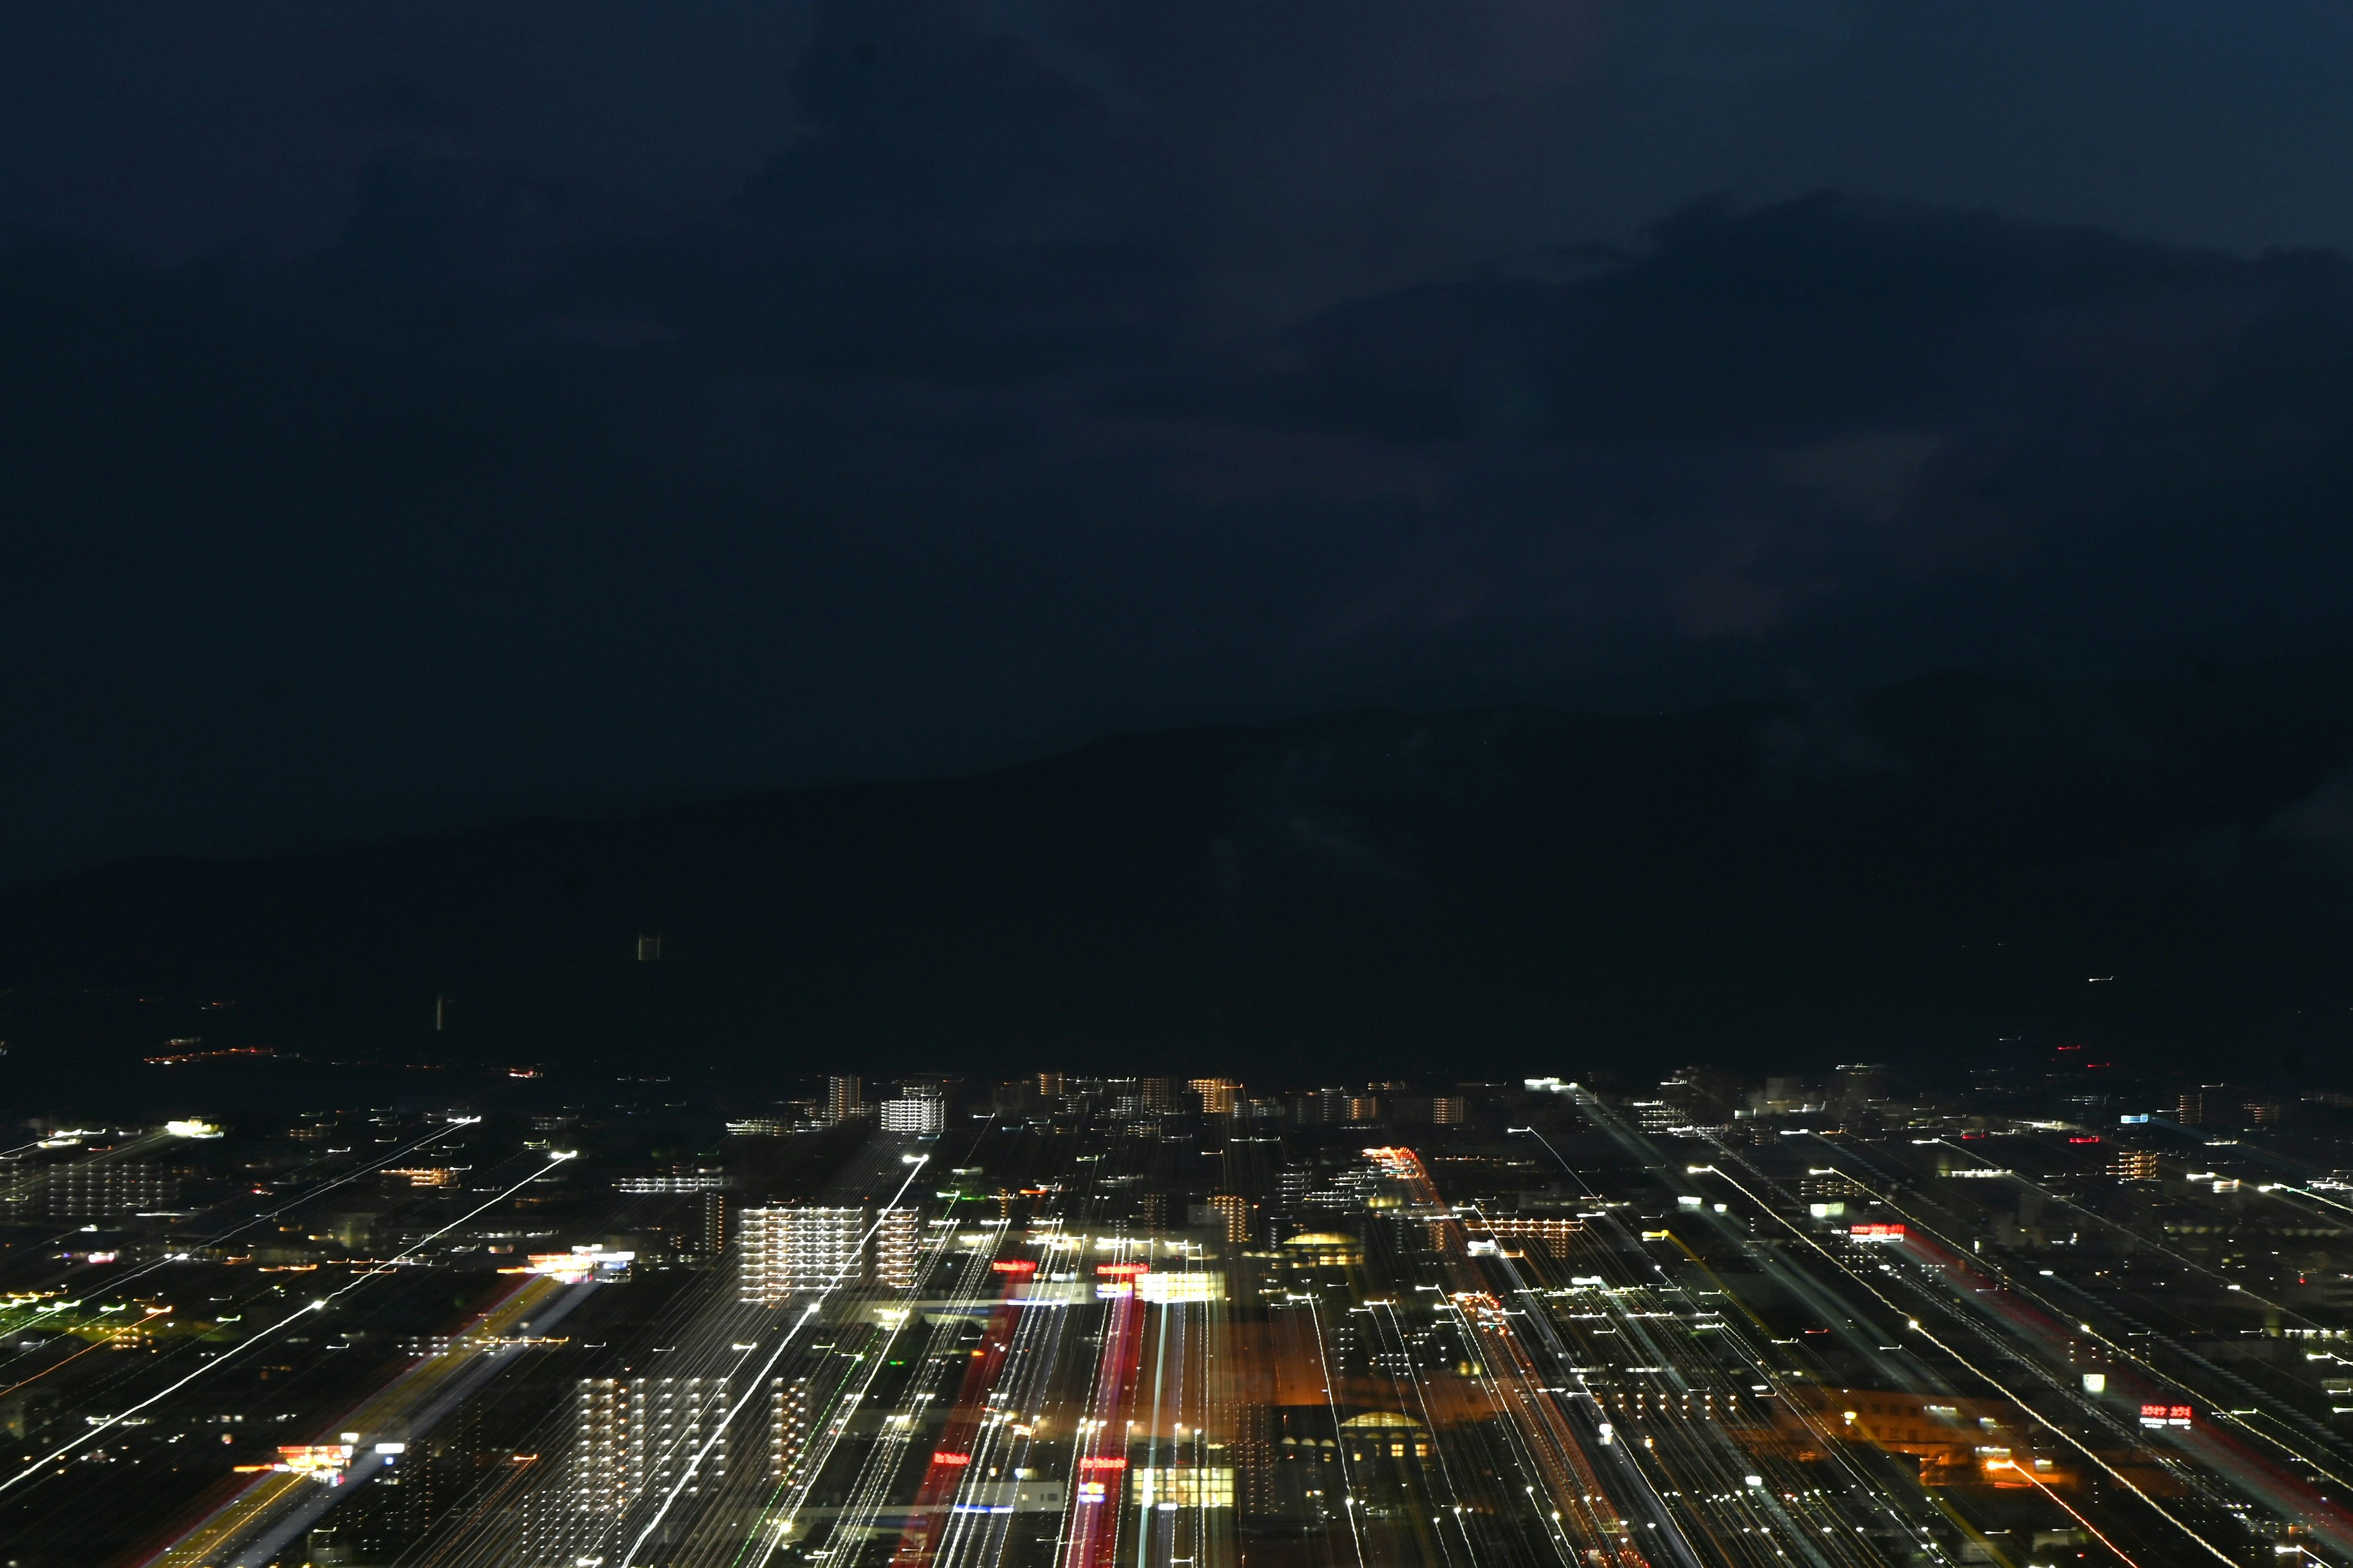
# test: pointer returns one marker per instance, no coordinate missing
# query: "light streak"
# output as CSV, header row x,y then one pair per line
x,y
2021,1471
1914,1325
296,1316
719,1427
94,1345
297,1202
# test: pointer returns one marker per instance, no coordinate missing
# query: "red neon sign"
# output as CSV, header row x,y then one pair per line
x,y
1014,1266
1120,1270
1878,1232
944,1457
1103,1464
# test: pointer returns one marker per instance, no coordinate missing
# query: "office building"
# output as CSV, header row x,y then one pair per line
x,y
1857,1084
1230,1212
1220,1096
1182,1486
2132,1165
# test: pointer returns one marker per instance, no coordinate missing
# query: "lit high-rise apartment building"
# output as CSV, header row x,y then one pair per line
x,y
1049,1086
1158,1094
920,1114
2132,1165
845,1097
1448,1109
638,1437
894,1248
1220,1096
788,1425
784,1251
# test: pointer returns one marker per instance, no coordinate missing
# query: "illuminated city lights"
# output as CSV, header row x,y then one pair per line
x,y
845,1359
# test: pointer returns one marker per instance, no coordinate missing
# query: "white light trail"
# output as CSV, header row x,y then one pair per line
x,y
296,1316
719,1427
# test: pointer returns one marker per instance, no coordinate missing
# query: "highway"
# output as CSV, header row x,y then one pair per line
x,y
253,1528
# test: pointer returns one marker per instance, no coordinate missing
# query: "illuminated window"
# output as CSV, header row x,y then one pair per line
x,y
1190,1486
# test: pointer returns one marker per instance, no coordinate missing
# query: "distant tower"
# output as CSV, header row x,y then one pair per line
x,y
894,1248
845,1097
714,1223
441,1012
649,949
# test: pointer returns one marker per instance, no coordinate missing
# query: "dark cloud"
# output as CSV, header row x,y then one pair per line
x,y
956,379
1315,146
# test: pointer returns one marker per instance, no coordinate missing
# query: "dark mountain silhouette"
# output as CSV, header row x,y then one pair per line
x,y
1917,876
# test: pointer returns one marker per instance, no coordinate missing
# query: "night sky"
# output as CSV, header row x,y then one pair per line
x,y
418,415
